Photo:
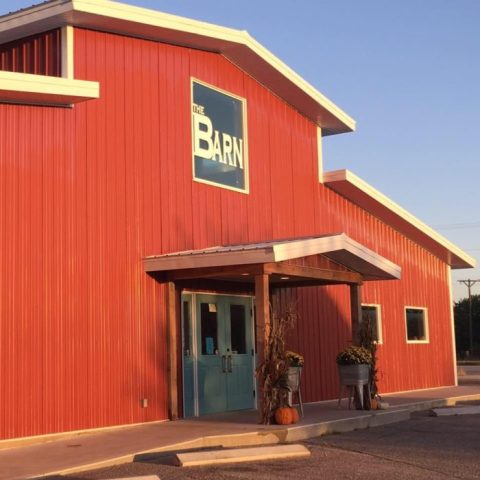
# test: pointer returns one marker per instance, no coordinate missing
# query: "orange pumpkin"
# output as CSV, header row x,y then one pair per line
x,y
283,415
295,415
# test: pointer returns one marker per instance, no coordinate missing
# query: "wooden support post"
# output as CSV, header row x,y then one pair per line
x,y
356,309
263,323
173,315
262,301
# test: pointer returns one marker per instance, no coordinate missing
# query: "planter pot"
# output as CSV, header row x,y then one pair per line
x,y
292,378
291,383
354,374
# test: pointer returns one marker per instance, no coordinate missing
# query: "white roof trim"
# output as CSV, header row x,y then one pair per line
x,y
45,90
367,197
236,45
339,248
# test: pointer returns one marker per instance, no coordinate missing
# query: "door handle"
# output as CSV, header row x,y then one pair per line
x,y
229,364
224,364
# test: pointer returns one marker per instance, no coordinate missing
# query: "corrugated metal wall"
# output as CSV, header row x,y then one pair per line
x,y
324,327
38,54
92,190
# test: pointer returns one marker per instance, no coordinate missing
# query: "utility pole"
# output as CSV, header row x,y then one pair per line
x,y
470,283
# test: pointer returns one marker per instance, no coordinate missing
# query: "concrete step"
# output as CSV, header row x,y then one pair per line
x,y
144,477
236,455
462,410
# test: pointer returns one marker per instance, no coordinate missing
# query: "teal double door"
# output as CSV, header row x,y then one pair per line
x,y
218,354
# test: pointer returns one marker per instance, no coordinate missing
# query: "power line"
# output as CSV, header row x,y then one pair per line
x,y
459,226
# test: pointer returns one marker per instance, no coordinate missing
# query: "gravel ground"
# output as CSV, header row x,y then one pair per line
x,y
424,447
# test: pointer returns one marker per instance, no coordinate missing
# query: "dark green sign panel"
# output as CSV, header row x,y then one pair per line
x,y
219,138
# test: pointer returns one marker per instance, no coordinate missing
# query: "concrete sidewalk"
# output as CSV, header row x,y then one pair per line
x,y
469,374
94,450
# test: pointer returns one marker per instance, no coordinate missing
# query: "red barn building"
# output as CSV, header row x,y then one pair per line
x,y
158,178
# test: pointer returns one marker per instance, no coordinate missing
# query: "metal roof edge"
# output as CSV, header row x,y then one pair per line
x,y
334,177
236,45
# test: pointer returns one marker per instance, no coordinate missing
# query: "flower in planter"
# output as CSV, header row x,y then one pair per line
x,y
354,355
294,359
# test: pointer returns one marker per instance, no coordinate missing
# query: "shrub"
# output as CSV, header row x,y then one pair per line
x,y
354,355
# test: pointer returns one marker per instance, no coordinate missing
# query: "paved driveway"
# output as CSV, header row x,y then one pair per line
x,y
424,447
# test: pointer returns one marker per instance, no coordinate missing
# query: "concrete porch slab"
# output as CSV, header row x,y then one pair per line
x,y
105,448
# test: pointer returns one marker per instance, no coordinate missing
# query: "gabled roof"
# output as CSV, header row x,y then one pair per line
x,y
339,248
364,195
235,45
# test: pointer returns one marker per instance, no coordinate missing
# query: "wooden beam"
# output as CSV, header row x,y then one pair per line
x,y
296,283
207,285
356,309
212,272
330,276
173,338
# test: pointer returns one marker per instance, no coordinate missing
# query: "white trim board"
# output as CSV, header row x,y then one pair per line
x,y
42,89
67,52
452,325
426,328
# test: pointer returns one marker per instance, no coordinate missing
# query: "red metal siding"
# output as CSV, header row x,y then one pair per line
x,y
39,54
324,327
94,189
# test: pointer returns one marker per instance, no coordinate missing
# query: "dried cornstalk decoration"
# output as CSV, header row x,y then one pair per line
x,y
275,364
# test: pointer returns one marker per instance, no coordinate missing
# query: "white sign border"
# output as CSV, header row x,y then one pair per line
x,y
245,190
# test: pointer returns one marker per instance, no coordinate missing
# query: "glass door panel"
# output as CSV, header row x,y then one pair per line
x,y
240,376
218,356
211,363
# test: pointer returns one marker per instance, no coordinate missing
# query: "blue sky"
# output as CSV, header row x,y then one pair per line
x,y
408,72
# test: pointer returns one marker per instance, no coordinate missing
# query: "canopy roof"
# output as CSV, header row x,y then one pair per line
x,y
233,261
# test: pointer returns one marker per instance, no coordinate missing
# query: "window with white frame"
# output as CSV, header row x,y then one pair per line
x,y
417,324
372,318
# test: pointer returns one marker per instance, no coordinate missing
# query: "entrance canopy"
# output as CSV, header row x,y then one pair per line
x,y
261,268
302,261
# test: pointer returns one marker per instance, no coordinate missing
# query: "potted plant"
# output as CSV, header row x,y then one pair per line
x,y
291,379
295,363
295,360
354,365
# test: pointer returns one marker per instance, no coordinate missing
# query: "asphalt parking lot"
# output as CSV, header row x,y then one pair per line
x,y
424,447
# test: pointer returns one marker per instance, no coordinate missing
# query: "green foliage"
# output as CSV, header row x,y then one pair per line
x,y
462,328
294,359
354,355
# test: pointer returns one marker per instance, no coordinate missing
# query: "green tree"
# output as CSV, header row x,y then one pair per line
x,y
462,328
